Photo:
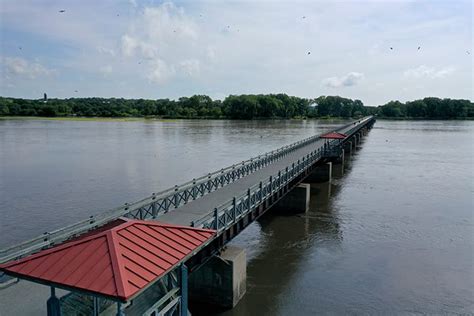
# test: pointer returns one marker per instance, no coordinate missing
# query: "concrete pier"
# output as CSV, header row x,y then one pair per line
x,y
338,166
222,280
340,160
337,170
322,173
348,149
296,201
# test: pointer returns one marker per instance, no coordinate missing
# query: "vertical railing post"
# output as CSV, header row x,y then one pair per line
x,y
175,196
154,208
248,199
216,219
96,306
119,309
209,182
261,191
53,306
234,208
184,290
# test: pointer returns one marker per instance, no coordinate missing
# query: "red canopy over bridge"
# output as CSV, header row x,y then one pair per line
x,y
116,262
333,135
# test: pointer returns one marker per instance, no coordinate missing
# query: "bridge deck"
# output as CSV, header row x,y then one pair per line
x,y
195,210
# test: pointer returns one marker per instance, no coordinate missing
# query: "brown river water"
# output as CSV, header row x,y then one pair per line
x,y
393,233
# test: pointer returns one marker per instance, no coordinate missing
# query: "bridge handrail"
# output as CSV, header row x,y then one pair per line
x,y
161,201
239,206
227,213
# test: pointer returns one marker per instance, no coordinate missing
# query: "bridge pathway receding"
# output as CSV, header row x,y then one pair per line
x,y
195,210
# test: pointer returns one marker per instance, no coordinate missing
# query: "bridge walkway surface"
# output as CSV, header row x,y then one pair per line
x,y
195,210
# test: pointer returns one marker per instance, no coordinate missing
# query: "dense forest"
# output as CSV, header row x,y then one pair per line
x,y
236,107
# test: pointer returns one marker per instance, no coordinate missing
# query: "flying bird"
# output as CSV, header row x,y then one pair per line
x,y
303,17
468,52
309,53
419,47
391,48
75,90
62,11
20,48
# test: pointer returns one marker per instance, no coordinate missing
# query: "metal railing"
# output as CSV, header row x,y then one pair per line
x,y
228,213
164,201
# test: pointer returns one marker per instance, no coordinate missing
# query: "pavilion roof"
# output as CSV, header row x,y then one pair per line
x,y
117,262
334,135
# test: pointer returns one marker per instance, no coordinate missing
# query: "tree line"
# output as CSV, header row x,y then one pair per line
x,y
235,107
428,108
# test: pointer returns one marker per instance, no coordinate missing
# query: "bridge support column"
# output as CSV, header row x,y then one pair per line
x,y
348,148
322,173
296,201
340,160
222,280
338,165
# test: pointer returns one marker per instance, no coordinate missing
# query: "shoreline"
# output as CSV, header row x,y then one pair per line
x,y
165,119
156,118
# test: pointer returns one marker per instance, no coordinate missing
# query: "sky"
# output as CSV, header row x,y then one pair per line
x,y
375,51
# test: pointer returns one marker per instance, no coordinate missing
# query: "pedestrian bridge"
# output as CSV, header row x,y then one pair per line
x,y
169,248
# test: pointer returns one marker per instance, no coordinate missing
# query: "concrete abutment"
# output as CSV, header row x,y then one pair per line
x,y
222,281
294,202
322,173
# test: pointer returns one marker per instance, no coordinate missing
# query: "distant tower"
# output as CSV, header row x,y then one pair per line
x,y
45,98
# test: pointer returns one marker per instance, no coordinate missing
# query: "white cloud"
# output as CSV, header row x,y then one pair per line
x,y
424,71
167,37
129,44
21,67
106,51
160,71
190,67
105,70
351,79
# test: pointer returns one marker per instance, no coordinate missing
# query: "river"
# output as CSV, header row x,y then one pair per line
x,y
393,234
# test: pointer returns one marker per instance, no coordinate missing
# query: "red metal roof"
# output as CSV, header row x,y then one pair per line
x,y
116,262
334,135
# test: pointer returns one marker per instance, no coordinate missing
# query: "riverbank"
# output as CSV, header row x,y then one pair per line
x,y
425,118
170,119
84,118
155,118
